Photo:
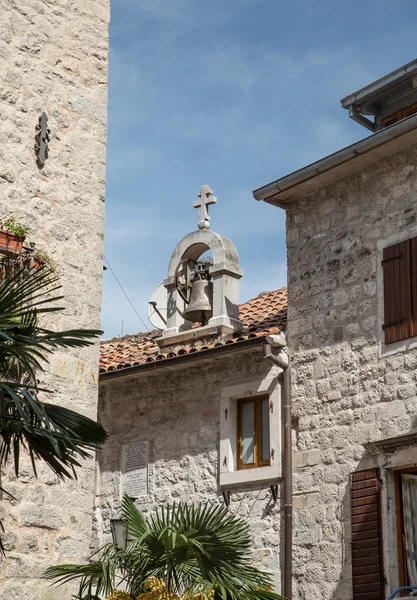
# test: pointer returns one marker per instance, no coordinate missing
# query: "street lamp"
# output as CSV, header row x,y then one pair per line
x,y
119,533
119,530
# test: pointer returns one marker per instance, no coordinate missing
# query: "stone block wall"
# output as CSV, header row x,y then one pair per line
x,y
348,388
54,58
178,412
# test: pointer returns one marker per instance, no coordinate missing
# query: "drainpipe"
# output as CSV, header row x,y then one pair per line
x,y
285,364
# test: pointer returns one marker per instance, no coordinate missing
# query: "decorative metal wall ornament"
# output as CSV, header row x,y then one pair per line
x,y
41,140
24,260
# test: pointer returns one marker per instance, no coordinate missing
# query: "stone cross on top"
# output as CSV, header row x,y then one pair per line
x,y
205,199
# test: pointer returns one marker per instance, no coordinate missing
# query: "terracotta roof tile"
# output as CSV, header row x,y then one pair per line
x,y
265,314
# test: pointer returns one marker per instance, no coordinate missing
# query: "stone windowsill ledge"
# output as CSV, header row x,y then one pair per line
x,y
250,476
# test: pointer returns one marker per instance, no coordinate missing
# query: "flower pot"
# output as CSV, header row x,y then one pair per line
x,y
10,244
32,262
38,263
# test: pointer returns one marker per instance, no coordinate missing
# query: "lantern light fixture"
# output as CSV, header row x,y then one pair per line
x,y
119,533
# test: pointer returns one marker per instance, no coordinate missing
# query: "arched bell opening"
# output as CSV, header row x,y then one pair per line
x,y
193,282
195,251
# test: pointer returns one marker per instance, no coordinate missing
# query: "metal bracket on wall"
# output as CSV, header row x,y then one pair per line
x,y
226,497
387,260
274,492
392,324
41,140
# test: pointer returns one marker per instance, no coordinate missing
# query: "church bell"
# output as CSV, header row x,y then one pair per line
x,y
200,306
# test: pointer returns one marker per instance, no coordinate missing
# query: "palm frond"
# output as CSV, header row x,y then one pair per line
x,y
24,344
95,578
134,519
54,434
192,548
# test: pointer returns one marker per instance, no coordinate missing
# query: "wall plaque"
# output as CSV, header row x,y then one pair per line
x,y
135,469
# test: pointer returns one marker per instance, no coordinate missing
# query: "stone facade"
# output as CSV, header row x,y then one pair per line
x,y
53,58
349,388
178,411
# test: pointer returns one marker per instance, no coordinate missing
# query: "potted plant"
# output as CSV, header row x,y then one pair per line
x,y
41,258
184,552
12,236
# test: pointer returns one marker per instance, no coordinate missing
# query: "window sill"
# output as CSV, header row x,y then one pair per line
x,y
395,347
248,476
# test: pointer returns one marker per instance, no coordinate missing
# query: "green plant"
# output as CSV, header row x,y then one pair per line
x,y
44,258
12,226
194,550
53,434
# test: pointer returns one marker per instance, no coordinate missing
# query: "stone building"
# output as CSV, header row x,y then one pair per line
x,y
181,407
53,60
352,336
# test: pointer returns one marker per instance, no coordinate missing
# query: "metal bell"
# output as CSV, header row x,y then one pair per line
x,y
200,307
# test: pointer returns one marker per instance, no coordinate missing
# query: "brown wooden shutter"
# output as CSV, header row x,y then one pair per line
x,y
391,119
367,567
397,116
411,110
398,323
413,283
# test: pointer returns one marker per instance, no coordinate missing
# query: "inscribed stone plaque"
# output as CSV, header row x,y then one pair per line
x,y
135,469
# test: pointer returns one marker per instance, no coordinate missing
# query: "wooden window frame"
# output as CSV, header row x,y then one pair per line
x,y
257,448
403,579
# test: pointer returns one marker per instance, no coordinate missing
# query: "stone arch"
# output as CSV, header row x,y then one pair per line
x,y
225,274
225,255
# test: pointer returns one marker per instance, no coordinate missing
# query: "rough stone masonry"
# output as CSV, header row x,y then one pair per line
x,y
54,58
347,390
177,410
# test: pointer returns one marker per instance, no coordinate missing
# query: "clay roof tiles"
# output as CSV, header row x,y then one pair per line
x,y
263,315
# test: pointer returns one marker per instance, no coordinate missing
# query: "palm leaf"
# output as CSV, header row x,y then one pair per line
x,y
54,434
192,548
135,521
95,578
24,344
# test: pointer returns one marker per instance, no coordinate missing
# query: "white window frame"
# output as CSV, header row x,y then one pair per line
x,y
230,475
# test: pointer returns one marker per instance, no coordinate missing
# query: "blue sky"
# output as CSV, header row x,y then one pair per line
x,y
233,93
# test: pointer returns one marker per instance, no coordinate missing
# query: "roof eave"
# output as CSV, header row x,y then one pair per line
x,y
340,164
381,85
184,359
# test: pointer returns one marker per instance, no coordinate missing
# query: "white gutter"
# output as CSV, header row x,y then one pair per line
x,y
278,190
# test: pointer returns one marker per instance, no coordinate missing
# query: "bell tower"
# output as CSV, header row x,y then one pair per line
x,y
203,292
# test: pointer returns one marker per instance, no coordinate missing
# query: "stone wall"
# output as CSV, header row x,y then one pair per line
x,y
53,58
349,388
178,412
